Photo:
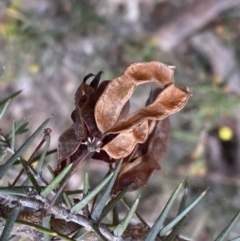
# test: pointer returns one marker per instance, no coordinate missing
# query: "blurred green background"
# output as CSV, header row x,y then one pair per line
x,y
47,47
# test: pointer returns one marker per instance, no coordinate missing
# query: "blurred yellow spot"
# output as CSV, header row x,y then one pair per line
x,y
225,133
153,41
33,68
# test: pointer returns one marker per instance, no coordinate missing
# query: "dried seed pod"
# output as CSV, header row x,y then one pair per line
x,y
169,101
123,144
103,126
120,89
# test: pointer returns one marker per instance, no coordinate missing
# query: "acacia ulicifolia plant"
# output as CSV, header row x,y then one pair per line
x,y
103,129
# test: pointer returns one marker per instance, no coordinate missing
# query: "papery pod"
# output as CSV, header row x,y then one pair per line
x,y
123,144
120,89
124,111
169,101
157,142
151,152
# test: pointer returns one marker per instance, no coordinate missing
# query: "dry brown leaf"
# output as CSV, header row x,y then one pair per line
x,y
87,110
156,145
136,173
118,92
68,143
78,124
158,140
82,117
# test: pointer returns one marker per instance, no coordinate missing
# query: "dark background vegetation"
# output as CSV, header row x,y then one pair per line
x,y
48,46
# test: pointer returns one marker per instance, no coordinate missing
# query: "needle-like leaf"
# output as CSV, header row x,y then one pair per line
x,y
30,176
51,171
9,224
111,204
222,236
13,136
99,234
125,203
20,191
175,231
4,108
80,234
168,227
67,200
161,218
102,201
86,184
4,168
46,224
56,181
78,206
10,97
6,102
118,231
183,203
20,127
